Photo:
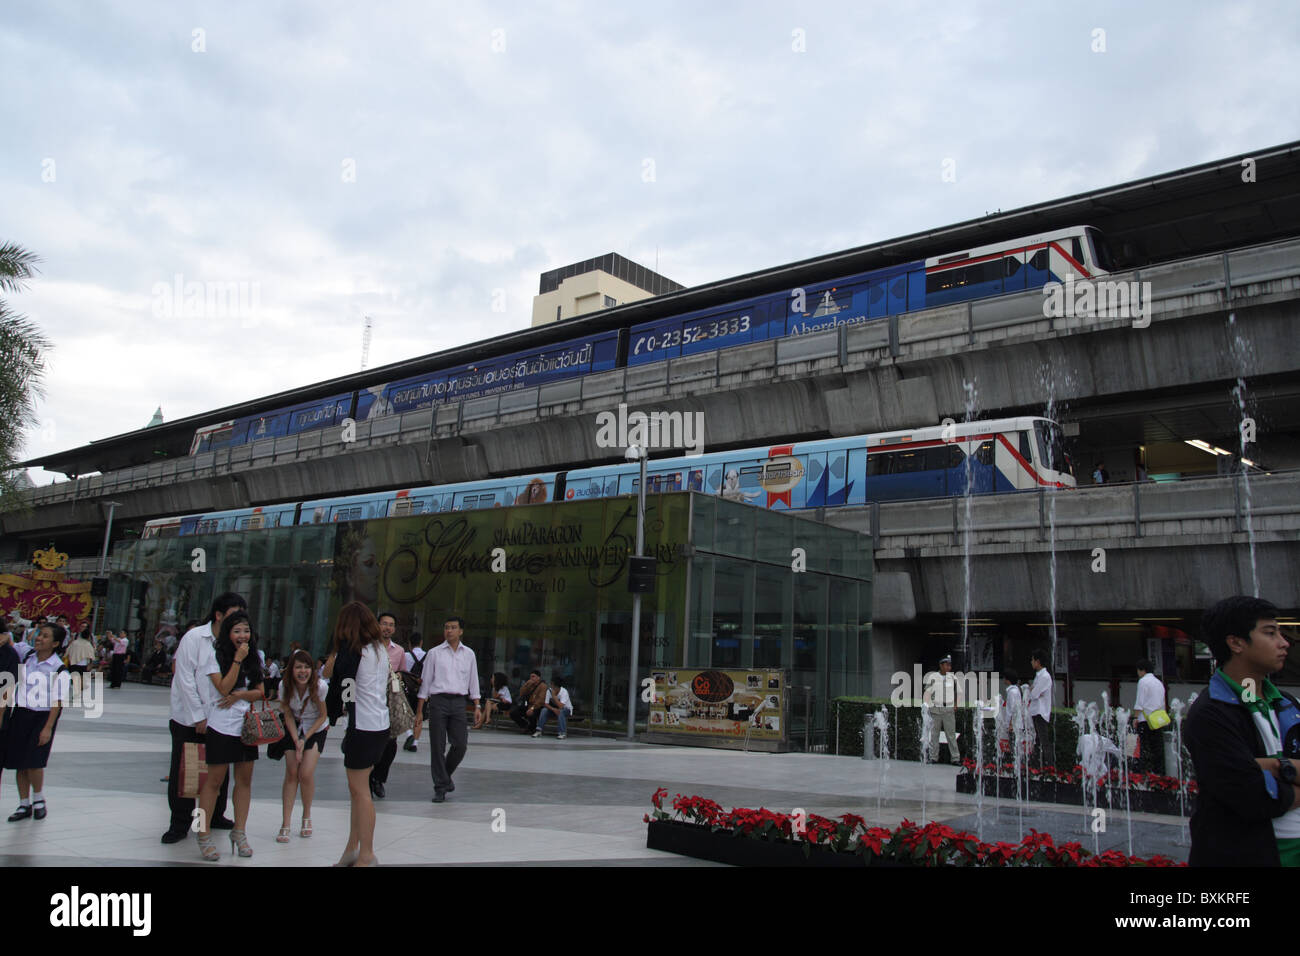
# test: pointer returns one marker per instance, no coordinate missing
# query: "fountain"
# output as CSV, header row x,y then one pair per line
x,y
977,720
1122,732
1176,711
881,720
971,395
925,726
1241,352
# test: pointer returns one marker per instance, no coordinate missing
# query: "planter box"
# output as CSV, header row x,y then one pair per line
x,y
702,843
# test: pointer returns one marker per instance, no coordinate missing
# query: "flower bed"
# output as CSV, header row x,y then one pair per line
x,y
1146,792
699,827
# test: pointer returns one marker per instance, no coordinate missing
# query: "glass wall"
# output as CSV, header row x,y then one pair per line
x,y
773,590
542,586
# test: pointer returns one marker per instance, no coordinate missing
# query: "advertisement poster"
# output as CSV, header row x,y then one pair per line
x,y
717,703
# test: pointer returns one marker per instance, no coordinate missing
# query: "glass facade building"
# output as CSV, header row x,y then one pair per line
x,y
544,586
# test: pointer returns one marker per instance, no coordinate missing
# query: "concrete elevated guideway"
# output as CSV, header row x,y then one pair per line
x,y
903,372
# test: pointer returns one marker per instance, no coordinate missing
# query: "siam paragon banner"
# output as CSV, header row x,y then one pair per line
x,y
720,704
45,592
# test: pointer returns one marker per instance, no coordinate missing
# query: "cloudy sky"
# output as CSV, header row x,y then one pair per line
x,y
410,160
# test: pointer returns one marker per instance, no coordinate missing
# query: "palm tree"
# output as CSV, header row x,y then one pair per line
x,y
22,363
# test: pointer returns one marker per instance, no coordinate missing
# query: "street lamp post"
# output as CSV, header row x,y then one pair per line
x,y
636,452
103,558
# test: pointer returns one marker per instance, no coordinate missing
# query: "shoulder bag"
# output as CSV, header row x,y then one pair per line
x,y
261,726
400,716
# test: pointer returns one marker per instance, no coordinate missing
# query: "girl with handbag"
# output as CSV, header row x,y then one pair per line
x,y
302,701
234,669
360,662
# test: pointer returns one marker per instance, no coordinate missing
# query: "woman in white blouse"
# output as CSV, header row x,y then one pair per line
x,y
302,701
236,672
360,662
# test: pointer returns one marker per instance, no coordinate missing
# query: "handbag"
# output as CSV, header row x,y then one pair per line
x,y
1157,719
261,726
194,769
400,716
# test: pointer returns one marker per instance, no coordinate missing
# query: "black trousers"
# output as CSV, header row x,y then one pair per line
x,y
447,723
517,715
379,772
1151,750
117,670
182,808
1045,745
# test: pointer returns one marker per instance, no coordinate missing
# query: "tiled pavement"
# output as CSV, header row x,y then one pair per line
x,y
571,802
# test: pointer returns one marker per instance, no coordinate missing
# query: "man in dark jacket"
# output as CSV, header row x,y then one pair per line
x,y
531,697
1244,738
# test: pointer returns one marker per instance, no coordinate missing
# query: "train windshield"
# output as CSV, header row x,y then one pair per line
x,y
1100,251
1051,447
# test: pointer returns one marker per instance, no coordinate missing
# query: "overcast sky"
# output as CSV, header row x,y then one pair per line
x,y
407,160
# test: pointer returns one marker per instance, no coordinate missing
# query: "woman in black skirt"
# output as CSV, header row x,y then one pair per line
x,y
30,728
361,662
302,701
234,669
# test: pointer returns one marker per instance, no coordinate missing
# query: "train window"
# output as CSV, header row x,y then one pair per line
x,y
907,462
348,514
407,506
984,454
1039,260
878,464
252,523
951,457
1100,251
1011,265
1076,246
776,471
1026,447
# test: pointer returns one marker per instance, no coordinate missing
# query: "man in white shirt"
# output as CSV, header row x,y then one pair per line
x,y
1150,698
944,697
558,705
450,675
1040,710
414,665
192,691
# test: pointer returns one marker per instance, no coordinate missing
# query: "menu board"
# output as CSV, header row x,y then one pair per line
x,y
717,703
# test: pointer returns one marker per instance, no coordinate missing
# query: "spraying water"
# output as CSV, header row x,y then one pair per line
x,y
1176,710
1121,731
925,725
971,396
1242,353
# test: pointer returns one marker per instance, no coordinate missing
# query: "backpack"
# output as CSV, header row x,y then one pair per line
x,y
417,670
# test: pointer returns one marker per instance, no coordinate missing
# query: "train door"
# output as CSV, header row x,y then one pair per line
x,y
1013,271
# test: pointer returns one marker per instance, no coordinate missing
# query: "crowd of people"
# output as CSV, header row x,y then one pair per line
x,y
220,676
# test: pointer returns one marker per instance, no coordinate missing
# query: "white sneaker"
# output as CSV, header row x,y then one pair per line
x,y
537,733
560,736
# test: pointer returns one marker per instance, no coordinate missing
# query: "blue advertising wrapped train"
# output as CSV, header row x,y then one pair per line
x,y
1001,268
1005,455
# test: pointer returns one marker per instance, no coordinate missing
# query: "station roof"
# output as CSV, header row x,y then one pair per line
x,y
1199,210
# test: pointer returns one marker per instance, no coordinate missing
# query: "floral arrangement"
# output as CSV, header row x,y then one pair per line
x,y
933,844
1154,782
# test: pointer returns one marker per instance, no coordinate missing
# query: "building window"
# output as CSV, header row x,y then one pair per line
x,y
557,313
610,302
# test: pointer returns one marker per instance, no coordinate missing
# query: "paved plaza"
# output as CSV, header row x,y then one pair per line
x,y
569,802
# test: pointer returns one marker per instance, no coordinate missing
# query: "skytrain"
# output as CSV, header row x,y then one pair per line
x,y
1002,268
1004,455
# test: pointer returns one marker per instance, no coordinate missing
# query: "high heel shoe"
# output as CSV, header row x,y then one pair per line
x,y
239,843
283,835
306,827
208,849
